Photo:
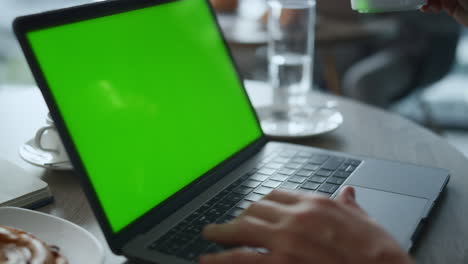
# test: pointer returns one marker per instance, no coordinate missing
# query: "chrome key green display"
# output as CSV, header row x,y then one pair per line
x,y
150,98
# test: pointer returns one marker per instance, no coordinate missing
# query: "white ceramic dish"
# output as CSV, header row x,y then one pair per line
x,y
320,120
30,153
75,243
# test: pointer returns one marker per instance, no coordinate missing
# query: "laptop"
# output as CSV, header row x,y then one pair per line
x,y
159,128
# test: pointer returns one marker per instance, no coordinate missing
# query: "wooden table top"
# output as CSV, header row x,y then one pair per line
x,y
366,131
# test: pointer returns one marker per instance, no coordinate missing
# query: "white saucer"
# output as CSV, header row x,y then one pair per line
x,y
314,121
75,243
30,153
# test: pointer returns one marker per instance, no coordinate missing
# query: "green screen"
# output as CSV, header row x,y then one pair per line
x,y
150,99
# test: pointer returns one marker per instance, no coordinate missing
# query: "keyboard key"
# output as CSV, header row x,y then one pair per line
x,y
181,226
225,219
172,247
273,165
324,194
336,180
250,173
271,184
214,248
243,190
318,179
286,171
267,171
193,216
279,177
210,203
354,162
263,190
192,229
244,204
259,165
258,177
287,153
181,238
251,184
234,184
289,186
281,160
343,167
311,167
235,212
350,168
222,194
254,197
324,173
293,165
304,154
311,186
305,173
225,205
328,188
203,220
341,174
299,160
194,249
297,179
333,163
318,159
233,197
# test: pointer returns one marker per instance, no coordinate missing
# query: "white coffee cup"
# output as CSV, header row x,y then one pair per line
x,y
378,6
48,140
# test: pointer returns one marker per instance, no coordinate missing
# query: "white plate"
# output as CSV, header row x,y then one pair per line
x,y
314,121
30,153
75,243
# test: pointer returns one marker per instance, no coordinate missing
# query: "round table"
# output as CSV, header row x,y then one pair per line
x,y
365,131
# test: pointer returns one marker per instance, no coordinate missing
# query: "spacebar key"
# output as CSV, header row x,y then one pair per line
x,y
333,163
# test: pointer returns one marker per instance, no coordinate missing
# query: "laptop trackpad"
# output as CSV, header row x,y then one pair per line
x,y
399,214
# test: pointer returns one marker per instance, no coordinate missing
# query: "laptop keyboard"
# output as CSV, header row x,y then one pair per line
x,y
287,169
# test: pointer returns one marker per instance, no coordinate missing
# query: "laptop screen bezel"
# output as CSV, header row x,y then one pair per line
x,y
116,240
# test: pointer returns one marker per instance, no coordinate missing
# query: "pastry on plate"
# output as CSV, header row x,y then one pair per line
x,y
18,247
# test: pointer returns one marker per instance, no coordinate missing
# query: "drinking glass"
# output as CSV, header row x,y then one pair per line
x,y
291,30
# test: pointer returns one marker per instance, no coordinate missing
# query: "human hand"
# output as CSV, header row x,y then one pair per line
x,y
224,5
305,228
458,9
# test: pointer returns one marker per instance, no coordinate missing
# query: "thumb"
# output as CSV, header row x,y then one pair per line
x,y
347,196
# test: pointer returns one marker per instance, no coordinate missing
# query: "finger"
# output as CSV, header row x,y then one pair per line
x,y
424,8
266,210
235,256
247,231
347,196
283,197
429,9
461,15
435,5
450,6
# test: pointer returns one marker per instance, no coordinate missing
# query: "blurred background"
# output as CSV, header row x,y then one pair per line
x,y
410,63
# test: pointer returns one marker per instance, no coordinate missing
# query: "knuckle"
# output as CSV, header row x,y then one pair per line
x,y
305,215
242,225
255,206
324,202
